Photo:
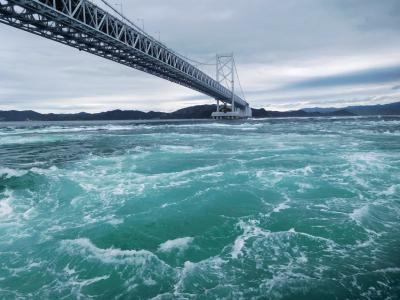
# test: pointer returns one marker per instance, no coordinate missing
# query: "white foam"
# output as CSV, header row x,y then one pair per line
x,y
93,280
74,129
211,267
281,206
323,206
10,173
139,182
75,284
304,186
270,178
238,246
358,214
39,138
146,267
179,149
5,208
329,242
365,161
67,270
115,221
250,229
214,174
41,171
30,213
279,284
388,270
307,170
302,259
180,244
168,204
87,249
260,174
392,190
188,268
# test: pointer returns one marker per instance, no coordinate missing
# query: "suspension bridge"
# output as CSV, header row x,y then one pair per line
x,y
108,33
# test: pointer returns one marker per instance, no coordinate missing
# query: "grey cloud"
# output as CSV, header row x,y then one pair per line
x,y
371,76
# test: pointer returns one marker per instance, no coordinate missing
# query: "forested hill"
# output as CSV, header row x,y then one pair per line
x,y
198,112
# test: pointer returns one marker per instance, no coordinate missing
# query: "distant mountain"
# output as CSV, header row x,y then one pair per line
x,y
321,110
109,115
194,112
262,113
361,110
14,115
199,112
385,109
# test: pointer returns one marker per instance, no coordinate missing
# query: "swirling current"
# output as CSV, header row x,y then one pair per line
x,y
260,209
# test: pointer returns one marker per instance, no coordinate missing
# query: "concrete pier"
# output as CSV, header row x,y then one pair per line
x,y
232,115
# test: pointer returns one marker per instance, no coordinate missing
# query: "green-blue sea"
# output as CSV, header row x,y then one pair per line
x,y
305,208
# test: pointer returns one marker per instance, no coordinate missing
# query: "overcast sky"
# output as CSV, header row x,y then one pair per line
x,y
290,54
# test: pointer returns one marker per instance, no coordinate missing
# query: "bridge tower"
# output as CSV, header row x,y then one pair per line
x,y
225,75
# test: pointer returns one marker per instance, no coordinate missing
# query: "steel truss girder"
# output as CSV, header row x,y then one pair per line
x,y
87,27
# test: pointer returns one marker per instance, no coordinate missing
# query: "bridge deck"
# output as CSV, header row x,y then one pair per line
x,y
83,25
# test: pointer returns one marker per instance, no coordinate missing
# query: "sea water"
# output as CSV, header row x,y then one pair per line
x,y
258,209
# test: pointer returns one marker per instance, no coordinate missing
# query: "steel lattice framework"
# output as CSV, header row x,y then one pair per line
x,y
86,26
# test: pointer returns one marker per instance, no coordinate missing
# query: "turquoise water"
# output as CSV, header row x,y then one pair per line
x,y
262,209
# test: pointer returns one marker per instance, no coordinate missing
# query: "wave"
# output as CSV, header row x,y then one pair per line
x,y
88,250
359,214
242,189
39,139
327,241
138,182
182,149
125,127
392,190
251,230
180,244
137,268
304,187
388,270
365,161
141,259
75,129
281,206
10,173
43,171
272,177
5,208
208,272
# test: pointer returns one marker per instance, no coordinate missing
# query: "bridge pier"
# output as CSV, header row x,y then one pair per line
x,y
231,113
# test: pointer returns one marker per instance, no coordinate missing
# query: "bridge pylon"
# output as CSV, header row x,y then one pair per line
x,y
225,75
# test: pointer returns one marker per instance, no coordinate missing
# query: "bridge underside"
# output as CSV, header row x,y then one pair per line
x,y
87,27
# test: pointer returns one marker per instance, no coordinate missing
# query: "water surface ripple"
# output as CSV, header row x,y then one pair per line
x,y
261,209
